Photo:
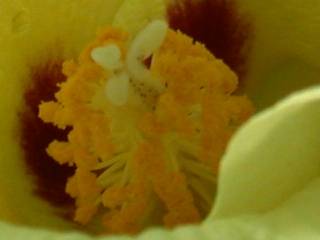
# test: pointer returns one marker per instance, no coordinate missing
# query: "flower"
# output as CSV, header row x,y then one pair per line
x,y
246,211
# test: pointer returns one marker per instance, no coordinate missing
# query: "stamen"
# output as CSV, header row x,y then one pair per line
x,y
110,181
111,170
198,169
198,186
109,162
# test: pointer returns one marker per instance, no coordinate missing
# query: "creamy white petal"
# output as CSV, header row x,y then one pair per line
x,y
272,157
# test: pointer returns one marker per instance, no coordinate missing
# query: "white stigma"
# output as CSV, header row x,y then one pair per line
x,y
108,57
117,86
117,89
143,46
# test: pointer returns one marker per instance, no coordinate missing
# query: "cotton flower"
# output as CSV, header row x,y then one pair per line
x,y
250,198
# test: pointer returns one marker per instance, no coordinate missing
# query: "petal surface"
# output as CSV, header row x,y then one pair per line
x,y
274,156
133,15
285,49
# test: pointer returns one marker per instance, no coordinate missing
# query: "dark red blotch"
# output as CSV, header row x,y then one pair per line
x,y
50,178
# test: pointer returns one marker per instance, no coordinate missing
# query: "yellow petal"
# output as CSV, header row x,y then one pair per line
x,y
284,55
136,14
33,33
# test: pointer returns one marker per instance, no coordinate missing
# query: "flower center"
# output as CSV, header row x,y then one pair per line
x,y
145,140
